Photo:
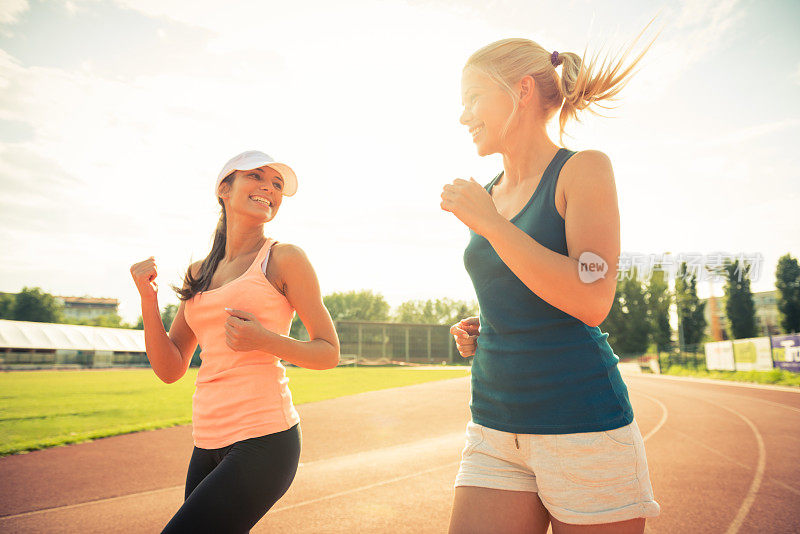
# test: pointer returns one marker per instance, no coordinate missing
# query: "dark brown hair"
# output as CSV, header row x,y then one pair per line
x,y
209,265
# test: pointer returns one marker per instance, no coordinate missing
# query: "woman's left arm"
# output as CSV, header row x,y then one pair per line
x,y
303,293
591,225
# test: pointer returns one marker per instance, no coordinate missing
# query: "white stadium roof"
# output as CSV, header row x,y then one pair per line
x,y
32,335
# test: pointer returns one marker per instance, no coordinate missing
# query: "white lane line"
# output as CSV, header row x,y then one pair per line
x,y
744,509
752,491
664,414
362,488
751,398
345,460
420,446
733,460
717,382
776,404
87,503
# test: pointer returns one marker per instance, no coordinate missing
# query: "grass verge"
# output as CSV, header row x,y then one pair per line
x,y
40,409
776,376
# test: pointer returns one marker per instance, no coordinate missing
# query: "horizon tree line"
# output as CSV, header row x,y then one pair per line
x,y
638,321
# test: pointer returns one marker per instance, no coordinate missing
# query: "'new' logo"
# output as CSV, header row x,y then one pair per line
x,y
591,267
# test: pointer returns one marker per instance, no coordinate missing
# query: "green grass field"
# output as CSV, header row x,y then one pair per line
x,y
40,409
778,377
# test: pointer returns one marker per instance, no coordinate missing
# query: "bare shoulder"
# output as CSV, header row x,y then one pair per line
x,y
588,169
288,256
291,267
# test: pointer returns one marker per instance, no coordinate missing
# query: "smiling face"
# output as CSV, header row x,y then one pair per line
x,y
257,193
487,107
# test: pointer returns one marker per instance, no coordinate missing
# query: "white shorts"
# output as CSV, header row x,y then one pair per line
x,y
582,478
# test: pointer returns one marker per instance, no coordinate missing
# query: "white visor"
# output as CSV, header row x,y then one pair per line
x,y
253,159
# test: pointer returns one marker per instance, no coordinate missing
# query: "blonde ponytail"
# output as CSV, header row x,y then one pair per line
x,y
507,61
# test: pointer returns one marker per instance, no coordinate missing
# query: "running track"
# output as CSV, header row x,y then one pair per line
x,y
723,458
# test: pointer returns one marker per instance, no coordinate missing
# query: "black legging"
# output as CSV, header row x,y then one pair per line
x,y
229,489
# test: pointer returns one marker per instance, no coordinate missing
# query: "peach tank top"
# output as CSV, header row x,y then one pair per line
x,y
239,395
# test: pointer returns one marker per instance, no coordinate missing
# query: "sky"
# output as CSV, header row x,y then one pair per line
x,y
116,117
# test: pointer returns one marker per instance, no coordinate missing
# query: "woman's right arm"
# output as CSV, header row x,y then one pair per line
x,y
466,333
169,354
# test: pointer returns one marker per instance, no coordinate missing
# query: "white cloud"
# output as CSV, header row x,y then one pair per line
x,y
692,34
751,133
10,10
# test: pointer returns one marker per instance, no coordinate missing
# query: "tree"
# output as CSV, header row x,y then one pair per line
x,y
298,329
658,301
439,311
168,315
691,312
739,306
628,322
637,324
361,305
787,281
614,323
33,304
7,301
107,320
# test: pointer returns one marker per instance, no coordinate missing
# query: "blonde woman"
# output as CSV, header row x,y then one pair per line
x,y
238,303
553,437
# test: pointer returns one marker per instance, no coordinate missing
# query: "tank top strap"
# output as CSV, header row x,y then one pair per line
x,y
263,254
561,158
489,186
544,199
552,171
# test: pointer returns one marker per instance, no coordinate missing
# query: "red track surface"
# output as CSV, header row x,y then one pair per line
x,y
723,458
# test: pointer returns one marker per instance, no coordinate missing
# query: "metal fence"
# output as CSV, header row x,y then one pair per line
x,y
362,343
44,358
692,357
376,343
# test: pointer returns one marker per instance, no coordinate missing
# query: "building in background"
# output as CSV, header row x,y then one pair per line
x,y
83,307
87,307
716,319
766,308
32,345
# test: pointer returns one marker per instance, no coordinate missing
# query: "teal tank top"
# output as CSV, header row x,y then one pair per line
x,y
537,369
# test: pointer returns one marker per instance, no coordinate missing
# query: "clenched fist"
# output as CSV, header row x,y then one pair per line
x,y
471,203
466,333
243,331
144,275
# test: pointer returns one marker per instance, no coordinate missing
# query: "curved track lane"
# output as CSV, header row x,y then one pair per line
x,y
723,458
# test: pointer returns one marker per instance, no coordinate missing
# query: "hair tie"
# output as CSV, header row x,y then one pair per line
x,y
554,59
